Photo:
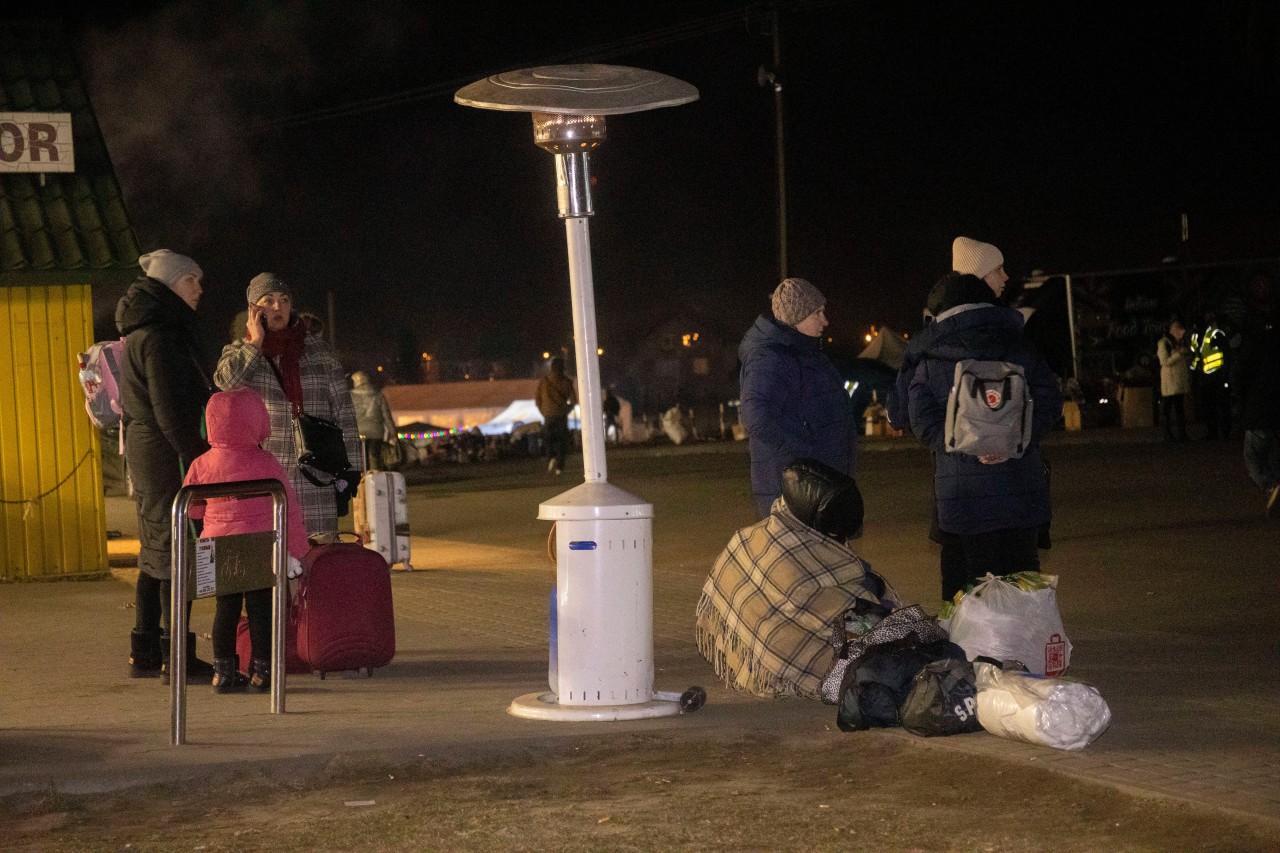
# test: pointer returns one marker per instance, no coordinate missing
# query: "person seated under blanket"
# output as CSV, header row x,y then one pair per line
x,y
765,616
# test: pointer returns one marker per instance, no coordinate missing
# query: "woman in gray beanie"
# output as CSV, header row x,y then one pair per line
x,y
164,385
293,371
793,401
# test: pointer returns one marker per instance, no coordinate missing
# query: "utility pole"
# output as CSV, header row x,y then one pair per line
x,y
766,77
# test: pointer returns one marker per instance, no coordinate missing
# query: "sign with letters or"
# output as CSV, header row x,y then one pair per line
x,y
36,142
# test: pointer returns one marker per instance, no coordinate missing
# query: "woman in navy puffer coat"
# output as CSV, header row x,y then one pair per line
x,y
992,507
793,400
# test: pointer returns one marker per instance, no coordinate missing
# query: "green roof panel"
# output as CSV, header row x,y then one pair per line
x,y
58,226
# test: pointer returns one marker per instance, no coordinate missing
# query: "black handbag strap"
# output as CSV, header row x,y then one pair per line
x,y
305,470
280,381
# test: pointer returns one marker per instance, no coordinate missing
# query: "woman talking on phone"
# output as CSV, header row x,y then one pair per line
x,y
294,372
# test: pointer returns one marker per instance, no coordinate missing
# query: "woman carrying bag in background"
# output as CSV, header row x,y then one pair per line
x,y
295,373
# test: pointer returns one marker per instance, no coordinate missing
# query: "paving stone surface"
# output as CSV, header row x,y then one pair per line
x,y
1168,591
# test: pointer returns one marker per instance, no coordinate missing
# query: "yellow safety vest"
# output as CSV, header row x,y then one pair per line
x,y
1208,355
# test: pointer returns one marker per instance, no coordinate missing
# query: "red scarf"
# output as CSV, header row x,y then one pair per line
x,y
286,347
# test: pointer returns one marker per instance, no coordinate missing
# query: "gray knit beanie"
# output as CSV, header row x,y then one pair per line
x,y
266,282
794,299
166,266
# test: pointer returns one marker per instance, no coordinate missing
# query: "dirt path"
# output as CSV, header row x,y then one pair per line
x,y
871,791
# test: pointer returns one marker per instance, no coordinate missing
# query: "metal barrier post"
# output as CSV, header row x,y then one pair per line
x,y
181,554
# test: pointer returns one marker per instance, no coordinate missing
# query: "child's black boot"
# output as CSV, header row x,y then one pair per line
x,y
260,675
226,675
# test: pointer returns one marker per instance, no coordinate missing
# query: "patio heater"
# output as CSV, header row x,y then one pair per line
x,y
603,641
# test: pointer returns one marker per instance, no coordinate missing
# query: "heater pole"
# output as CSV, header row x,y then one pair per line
x,y
581,288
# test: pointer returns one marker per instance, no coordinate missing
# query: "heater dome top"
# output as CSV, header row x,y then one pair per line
x,y
577,90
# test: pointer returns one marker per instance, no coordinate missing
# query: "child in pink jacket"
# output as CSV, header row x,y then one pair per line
x,y
238,423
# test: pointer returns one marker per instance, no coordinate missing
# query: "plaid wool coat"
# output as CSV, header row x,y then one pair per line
x,y
325,394
764,620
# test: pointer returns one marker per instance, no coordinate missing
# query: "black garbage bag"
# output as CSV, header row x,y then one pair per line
x,y
823,498
873,694
943,700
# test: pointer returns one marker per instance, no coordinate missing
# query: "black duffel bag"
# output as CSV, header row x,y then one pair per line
x,y
873,693
943,700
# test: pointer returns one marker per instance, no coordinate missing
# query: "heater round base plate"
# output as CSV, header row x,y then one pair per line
x,y
543,706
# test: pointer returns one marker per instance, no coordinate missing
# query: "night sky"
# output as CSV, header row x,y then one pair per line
x,y
321,141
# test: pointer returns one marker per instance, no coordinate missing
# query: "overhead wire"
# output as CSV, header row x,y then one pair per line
x,y
661,37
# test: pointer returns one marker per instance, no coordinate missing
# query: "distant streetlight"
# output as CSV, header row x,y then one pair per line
x,y
602,660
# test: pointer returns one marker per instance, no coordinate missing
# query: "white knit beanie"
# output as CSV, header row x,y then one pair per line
x,y
166,266
973,257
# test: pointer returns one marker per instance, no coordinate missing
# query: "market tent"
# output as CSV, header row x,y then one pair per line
x,y
521,412
456,405
887,347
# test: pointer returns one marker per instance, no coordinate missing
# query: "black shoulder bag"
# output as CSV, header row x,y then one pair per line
x,y
318,442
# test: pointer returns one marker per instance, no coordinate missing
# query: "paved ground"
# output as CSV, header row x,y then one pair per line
x,y
1168,590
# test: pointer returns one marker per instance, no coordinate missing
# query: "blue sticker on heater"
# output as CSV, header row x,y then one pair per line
x,y
582,546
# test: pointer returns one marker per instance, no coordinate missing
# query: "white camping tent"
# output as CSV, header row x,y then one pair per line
x,y
522,412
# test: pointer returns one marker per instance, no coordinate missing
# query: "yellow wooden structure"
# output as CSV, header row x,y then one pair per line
x,y
52,512
62,232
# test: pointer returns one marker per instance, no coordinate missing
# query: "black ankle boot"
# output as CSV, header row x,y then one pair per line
x,y
197,670
226,675
260,675
144,654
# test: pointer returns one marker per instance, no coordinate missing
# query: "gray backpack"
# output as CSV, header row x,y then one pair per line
x,y
988,410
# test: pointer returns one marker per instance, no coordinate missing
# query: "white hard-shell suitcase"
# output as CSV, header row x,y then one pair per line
x,y
382,516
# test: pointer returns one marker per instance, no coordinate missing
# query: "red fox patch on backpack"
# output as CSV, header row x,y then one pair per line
x,y
988,410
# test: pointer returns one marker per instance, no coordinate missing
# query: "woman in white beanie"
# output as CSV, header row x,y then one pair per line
x,y
293,371
793,401
973,257
164,385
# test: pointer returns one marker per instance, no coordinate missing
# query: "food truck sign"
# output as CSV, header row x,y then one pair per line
x,y
36,142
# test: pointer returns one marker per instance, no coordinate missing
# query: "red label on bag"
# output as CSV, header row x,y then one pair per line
x,y
1055,656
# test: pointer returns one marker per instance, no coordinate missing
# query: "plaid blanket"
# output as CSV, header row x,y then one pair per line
x,y
764,618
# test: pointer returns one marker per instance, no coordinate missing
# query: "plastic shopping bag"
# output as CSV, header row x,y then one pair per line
x,y
1052,712
1000,620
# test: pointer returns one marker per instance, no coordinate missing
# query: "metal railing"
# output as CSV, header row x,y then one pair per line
x,y
181,551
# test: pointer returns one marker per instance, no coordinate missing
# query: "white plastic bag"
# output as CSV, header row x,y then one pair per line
x,y
998,620
1046,711
673,425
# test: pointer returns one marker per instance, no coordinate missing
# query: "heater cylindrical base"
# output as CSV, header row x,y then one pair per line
x,y
544,706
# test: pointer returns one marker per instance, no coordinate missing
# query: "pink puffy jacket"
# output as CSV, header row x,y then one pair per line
x,y
237,424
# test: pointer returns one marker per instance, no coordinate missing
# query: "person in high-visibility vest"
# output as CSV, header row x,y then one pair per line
x,y
1209,367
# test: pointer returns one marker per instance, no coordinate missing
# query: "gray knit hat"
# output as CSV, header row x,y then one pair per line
x,y
974,257
266,282
166,266
794,299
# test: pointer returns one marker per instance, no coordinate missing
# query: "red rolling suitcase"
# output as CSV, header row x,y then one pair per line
x,y
345,616
293,665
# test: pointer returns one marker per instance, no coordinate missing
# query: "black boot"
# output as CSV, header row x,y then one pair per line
x,y
260,675
144,654
226,675
197,670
